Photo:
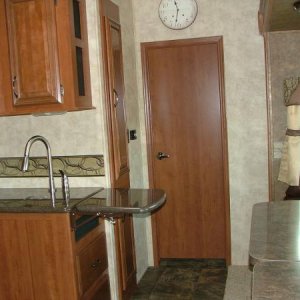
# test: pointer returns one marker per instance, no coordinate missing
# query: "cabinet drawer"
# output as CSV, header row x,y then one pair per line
x,y
103,292
92,262
100,290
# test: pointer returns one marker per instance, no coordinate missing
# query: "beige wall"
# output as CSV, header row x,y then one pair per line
x,y
236,21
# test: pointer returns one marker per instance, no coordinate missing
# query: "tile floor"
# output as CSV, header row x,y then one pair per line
x,y
183,279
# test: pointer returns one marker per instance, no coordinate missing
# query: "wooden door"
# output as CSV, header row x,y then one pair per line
x,y
186,120
111,32
118,139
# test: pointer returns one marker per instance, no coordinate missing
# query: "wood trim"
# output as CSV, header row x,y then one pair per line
x,y
269,114
110,9
5,74
149,136
85,100
105,25
109,123
225,151
118,260
129,282
119,169
261,16
264,15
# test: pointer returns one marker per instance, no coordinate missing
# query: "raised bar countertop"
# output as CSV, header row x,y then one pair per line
x,y
130,201
83,200
275,232
276,280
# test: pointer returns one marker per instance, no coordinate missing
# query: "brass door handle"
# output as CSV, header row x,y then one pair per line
x,y
162,155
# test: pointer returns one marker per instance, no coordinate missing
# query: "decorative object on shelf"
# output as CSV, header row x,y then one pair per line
x,y
178,14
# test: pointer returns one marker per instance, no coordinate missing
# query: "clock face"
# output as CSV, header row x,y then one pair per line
x,y
178,14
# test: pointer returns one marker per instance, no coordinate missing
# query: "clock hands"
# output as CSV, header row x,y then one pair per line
x,y
177,11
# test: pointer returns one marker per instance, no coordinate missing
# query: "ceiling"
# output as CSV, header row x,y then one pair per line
x,y
282,15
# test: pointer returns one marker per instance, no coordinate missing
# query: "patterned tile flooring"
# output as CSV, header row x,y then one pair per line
x,y
183,279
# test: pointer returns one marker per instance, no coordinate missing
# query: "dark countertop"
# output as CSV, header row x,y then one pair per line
x,y
87,200
130,201
38,200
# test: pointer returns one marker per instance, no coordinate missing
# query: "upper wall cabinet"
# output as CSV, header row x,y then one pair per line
x,y
43,57
278,15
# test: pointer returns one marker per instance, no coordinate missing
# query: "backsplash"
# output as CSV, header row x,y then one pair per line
x,y
73,166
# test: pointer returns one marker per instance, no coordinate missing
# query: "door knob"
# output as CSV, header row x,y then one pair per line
x,y
161,155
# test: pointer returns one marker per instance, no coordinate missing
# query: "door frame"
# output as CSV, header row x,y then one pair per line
x,y
119,173
218,40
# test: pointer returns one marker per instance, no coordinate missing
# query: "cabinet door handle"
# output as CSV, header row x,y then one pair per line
x,y
14,82
116,97
96,263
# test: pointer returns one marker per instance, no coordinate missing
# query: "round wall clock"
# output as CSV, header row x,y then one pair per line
x,y
178,14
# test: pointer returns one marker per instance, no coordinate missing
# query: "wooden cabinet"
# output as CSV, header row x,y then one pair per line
x,y
114,88
126,255
118,139
43,56
40,259
92,262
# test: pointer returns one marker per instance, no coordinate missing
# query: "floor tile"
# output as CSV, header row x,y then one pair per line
x,y
184,279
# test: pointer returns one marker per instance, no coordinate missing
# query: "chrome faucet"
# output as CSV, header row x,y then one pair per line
x,y
49,156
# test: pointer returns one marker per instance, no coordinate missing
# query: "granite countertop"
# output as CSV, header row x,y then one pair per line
x,y
38,200
275,232
87,200
276,280
129,201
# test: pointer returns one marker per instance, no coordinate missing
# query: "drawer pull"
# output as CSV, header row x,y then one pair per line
x,y
96,264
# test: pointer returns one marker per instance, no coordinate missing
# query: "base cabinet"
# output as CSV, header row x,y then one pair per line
x,y
101,292
91,264
40,259
126,253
